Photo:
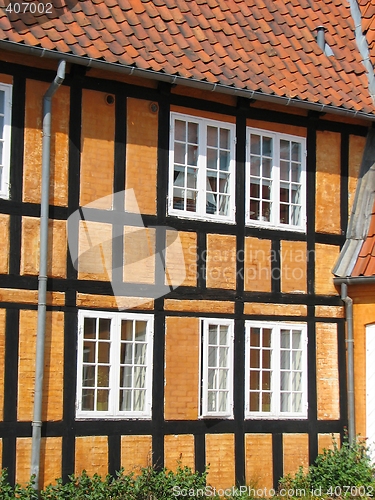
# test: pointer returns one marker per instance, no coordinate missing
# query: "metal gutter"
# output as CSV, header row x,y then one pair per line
x,y
350,349
42,277
188,82
355,280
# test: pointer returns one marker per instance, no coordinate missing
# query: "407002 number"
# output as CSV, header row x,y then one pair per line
x,y
32,7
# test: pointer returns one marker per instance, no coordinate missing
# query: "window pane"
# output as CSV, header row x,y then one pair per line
x,y
255,166
192,156
212,356
88,376
103,376
223,357
193,133
255,337
296,216
267,146
224,160
285,338
212,334
126,353
104,328
140,354
139,400
211,401
223,397
89,329
254,379
296,339
297,381
266,337
296,172
266,359
223,379
180,130
254,358
254,401
297,402
224,138
266,401
1,127
140,330
223,335
212,136
255,144
285,402
285,381
284,150
89,352
179,153
126,330
297,360
266,380
212,379
102,402
103,352
126,376
284,193
212,158
266,168
2,101
139,376
284,170
126,400
285,360
88,399
296,151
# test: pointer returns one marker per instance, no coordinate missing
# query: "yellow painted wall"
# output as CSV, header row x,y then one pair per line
x,y
136,452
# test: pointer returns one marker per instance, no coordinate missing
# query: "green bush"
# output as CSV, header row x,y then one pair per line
x,y
338,472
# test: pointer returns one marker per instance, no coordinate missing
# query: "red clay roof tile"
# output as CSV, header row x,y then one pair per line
x,y
255,44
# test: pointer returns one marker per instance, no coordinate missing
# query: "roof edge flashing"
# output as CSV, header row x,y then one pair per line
x,y
187,82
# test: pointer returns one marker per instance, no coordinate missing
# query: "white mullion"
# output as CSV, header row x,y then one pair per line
x,y
275,370
79,362
149,367
114,365
202,168
205,369
276,180
171,161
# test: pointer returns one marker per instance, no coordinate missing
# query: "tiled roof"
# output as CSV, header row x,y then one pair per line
x,y
266,46
367,8
365,265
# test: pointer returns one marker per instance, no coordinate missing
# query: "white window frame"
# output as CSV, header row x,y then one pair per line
x,y
274,221
275,389
204,412
200,212
6,132
114,373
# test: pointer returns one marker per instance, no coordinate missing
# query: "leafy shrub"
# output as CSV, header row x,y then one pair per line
x,y
341,471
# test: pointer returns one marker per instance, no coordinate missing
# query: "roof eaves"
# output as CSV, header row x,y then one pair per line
x,y
188,82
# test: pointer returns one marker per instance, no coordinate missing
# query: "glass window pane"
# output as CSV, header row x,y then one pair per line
x,y
139,376
89,328
266,342
212,158
103,376
296,151
254,401
212,334
284,150
255,166
140,354
139,400
224,160
285,360
266,168
254,358
266,359
297,381
1,155
285,338
296,172
2,102
88,399
223,379
284,170
88,376
179,153
102,399
192,156
266,191
255,190
223,335
193,133
267,146
284,193
223,397
223,205
223,356
126,376
297,402
255,144
140,330
212,136
297,360
126,353
211,379
212,356
255,337
266,401
104,328
266,380
103,352
211,401
296,339
126,400
285,402
224,138
254,379
89,351
285,381
296,215
180,130
266,211
126,330
254,209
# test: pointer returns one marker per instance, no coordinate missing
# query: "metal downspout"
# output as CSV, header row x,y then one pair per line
x,y
350,343
42,278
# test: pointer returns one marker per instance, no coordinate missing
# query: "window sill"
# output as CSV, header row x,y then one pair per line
x,y
205,218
